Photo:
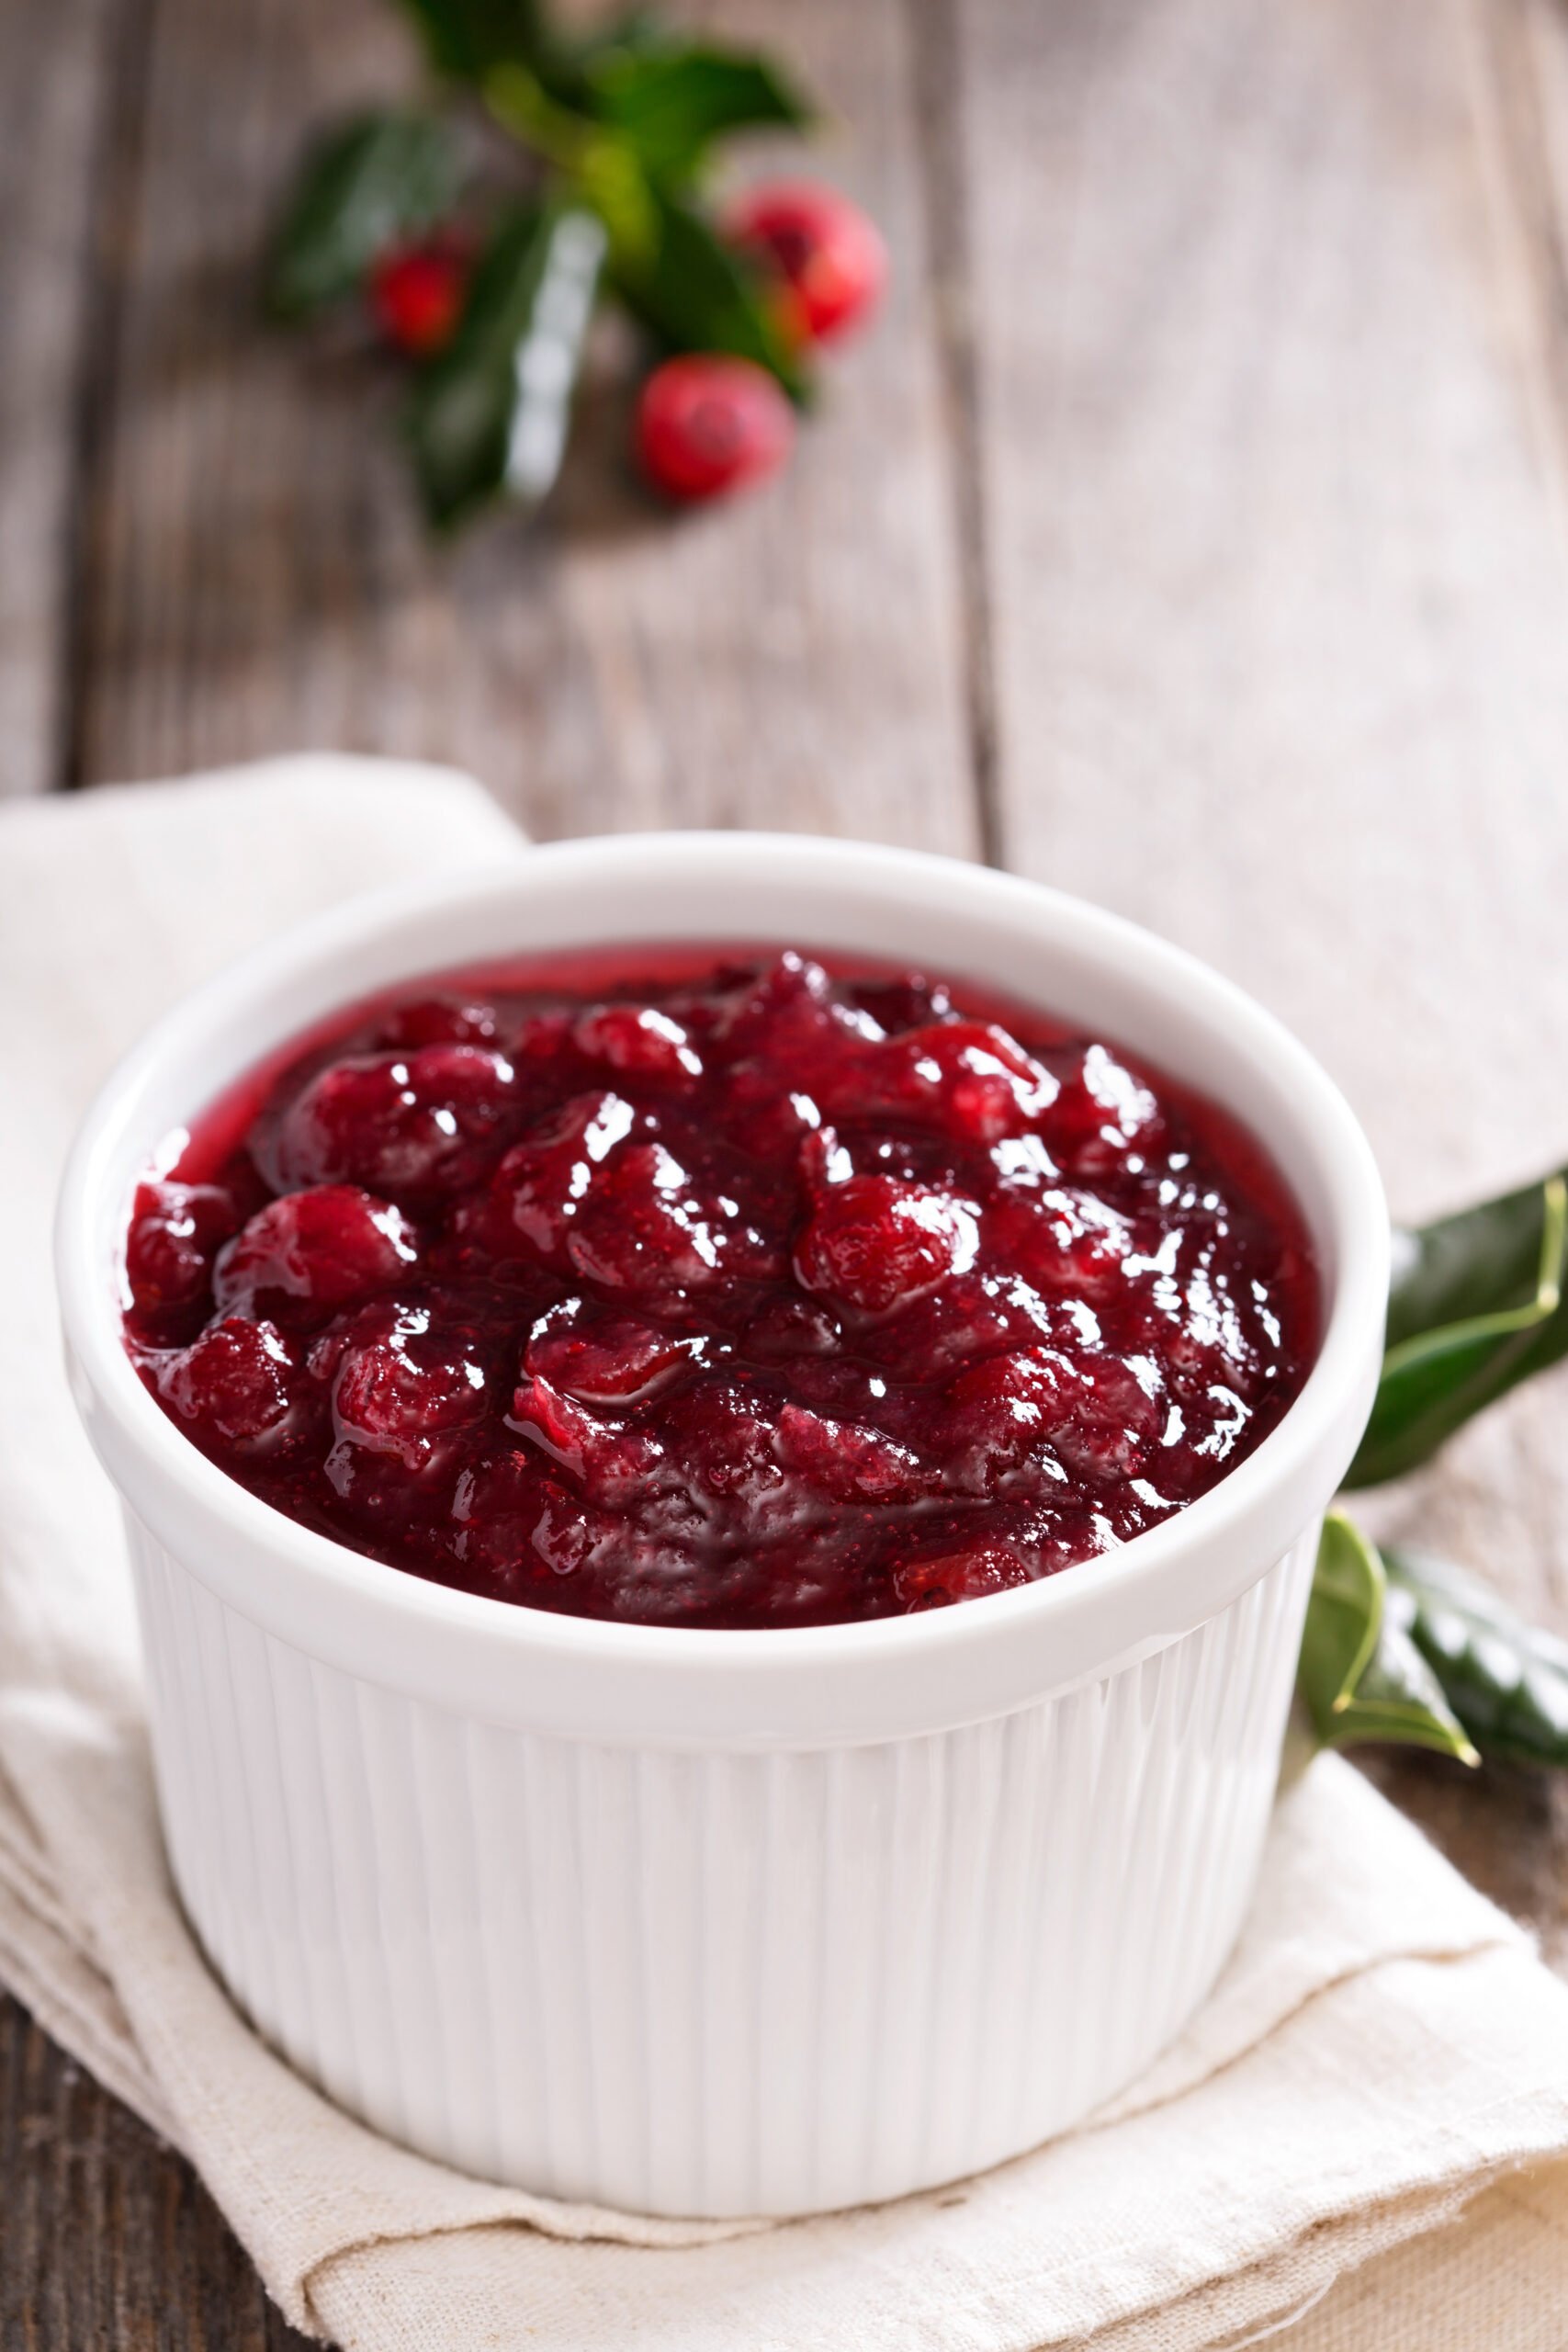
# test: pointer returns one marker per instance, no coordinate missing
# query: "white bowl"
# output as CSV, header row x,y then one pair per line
x,y
722,1923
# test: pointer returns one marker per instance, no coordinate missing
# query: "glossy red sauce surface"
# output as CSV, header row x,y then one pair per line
x,y
718,1293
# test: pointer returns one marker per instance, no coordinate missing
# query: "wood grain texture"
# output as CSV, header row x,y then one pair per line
x,y
53,152
1280,588
1201,496
107,2237
259,579
1533,38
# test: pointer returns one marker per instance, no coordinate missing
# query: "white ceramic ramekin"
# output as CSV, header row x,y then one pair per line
x,y
704,1923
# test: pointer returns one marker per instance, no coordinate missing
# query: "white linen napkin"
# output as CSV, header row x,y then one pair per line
x,y
1384,2050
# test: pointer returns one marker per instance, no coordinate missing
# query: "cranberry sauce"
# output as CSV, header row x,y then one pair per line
x,y
755,1297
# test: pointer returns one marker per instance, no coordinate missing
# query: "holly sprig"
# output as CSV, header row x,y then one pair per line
x,y
1403,1646
548,172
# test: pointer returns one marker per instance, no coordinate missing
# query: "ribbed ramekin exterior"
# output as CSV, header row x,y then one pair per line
x,y
708,1981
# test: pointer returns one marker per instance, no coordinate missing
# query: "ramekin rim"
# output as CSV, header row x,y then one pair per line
x,y
1358,1292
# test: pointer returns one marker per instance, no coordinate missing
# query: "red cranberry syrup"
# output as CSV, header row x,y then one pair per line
x,y
756,1297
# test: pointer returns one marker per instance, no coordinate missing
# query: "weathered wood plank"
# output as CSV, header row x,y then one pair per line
x,y
53,141
1264,348
1280,602
1530,45
259,580
1536,34
107,2237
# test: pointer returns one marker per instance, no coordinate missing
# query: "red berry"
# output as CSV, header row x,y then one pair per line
x,y
612,1464
235,1383
399,1386
965,1078
420,1122
317,1248
786,1031
537,1189
706,423
439,1020
638,1229
830,257
169,1249
539,1038
1101,1111
604,1359
515,1528
1068,1243
417,293
1000,1410
637,1040
874,1241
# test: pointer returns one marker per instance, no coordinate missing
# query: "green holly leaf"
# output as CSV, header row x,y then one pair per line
x,y
1362,1676
490,417
671,103
464,38
1505,1681
695,294
600,168
1476,1305
379,178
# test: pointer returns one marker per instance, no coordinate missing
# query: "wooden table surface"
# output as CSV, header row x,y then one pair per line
x,y
1191,533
